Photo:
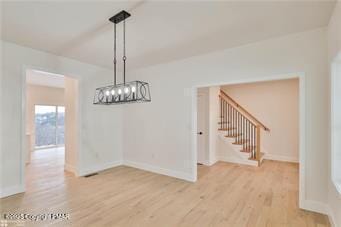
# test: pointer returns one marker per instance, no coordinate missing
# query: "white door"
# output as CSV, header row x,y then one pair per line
x,y
201,133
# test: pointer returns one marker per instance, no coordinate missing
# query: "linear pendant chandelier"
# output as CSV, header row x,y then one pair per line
x,y
126,92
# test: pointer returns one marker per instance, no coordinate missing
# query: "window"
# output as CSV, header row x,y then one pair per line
x,y
60,125
49,125
336,126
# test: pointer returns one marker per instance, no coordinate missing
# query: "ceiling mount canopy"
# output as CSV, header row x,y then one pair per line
x,y
126,92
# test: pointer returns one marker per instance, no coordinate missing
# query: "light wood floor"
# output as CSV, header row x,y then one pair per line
x,y
224,195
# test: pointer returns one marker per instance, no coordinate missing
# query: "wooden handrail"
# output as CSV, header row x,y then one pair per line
x,y
242,109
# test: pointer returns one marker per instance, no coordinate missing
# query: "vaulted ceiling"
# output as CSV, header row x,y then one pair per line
x,y
157,31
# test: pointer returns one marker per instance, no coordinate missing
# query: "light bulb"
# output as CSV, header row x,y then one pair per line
x,y
133,89
119,91
126,90
112,92
107,93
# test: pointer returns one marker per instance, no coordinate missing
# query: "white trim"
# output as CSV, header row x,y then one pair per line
x,y
334,67
331,217
213,161
337,186
100,167
79,125
194,126
23,145
160,170
302,140
297,75
315,206
320,208
282,158
70,168
206,163
12,191
237,160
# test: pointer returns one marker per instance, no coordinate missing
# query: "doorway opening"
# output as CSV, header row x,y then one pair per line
x,y
219,140
245,123
51,127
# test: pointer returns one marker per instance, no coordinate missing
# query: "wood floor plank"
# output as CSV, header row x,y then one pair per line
x,y
225,194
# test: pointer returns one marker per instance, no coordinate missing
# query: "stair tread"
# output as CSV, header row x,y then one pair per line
x,y
240,142
234,135
248,149
226,129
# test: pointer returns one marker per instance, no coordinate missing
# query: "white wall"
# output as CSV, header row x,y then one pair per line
x,y
71,124
40,95
334,32
100,137
213,123
159,135
275,104
334,47
1,75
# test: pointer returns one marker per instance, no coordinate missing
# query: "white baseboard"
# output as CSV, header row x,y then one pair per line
x,y
70,168
12,191
332,218
212,162
319,208
98,168
237,160
209,163
160,170
281,158
315,206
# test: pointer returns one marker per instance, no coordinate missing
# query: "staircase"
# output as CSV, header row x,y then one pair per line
x,y
243,128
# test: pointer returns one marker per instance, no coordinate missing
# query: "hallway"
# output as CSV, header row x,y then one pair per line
x,y
46,170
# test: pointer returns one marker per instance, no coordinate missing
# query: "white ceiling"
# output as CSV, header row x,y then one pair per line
x,y
157,31
41,78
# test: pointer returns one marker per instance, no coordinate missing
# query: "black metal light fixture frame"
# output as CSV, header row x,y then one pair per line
x,y
126,92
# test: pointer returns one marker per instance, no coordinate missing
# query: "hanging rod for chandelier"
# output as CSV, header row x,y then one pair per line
x,y
126,92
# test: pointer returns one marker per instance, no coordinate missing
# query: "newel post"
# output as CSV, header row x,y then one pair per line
x,y
258,155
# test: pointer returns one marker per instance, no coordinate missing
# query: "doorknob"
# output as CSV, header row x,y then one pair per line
x,y
199,133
